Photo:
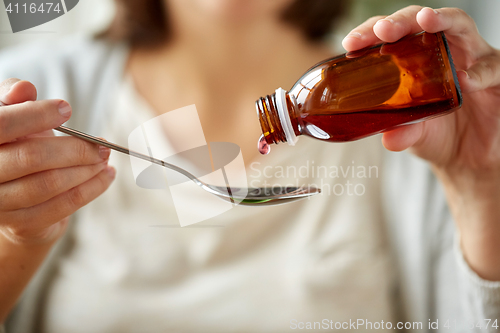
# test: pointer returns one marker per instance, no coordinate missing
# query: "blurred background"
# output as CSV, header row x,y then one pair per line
x,y
91,16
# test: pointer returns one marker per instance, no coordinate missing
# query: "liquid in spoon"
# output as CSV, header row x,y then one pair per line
x,y
264,147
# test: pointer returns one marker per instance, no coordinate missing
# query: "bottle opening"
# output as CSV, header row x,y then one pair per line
x,y
276,116
284,116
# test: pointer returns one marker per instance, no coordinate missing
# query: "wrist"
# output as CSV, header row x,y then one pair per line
x,y
473,198
482,181
20,258
45,237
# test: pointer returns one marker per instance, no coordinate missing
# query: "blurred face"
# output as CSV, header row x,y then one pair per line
x,y
232,10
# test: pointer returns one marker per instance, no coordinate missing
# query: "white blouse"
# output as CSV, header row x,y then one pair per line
x,y
251,269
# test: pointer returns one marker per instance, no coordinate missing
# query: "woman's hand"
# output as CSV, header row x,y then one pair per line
x,y
463,147
43,178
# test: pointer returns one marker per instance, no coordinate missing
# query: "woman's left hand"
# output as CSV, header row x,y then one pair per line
x,y
464,146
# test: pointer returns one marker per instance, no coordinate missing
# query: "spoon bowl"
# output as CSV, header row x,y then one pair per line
x,y
264,196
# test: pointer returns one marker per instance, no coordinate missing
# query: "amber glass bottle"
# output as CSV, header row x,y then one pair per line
x,y
366,92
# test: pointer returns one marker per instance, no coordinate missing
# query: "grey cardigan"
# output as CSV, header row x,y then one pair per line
x,y
434,281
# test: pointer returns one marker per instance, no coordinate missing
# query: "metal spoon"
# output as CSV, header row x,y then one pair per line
x,y
254,196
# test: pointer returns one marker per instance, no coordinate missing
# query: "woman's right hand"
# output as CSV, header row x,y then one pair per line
x,y
43,178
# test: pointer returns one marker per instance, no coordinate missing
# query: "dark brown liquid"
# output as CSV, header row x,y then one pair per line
x,y
263,146
357,125
374,90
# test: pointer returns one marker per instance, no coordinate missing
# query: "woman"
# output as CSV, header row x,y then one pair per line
x,y
270,269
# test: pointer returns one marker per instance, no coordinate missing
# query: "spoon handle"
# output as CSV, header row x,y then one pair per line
x,y
102,142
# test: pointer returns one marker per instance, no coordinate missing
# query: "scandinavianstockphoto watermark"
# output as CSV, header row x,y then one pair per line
x,y
335,180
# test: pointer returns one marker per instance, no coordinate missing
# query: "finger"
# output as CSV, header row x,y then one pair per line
x,y
484,74
37,188
395,26
27,223
5,87
403,137
44,134
422,138
31,117
22,158
13,91
459,27
362,36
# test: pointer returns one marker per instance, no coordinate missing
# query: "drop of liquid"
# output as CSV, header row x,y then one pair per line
x,y
263,146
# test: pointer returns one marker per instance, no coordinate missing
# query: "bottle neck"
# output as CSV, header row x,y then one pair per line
x,y
277,118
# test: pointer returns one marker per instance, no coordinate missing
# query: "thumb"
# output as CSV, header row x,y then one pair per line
x,y
13,91
485,73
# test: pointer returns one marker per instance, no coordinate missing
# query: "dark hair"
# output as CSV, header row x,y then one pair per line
x,y
144,23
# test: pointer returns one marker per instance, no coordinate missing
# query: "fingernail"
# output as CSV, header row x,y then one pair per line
x,y
353,35
55,231
104,152
435,11
468,76
102,165
111,172
4,97
10,83
386,19
64,109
